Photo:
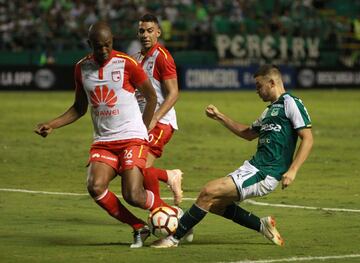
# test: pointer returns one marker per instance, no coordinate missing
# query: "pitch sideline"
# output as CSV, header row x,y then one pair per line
x,y
296,259
192,199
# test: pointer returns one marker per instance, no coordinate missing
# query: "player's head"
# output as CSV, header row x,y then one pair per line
x,y
148,31
268,82
100,39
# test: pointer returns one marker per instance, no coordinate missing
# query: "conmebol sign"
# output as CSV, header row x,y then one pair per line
x,y
222,78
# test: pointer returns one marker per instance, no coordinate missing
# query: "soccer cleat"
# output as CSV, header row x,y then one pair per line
x,y
269,230
140,235
166,242
189,236
174,182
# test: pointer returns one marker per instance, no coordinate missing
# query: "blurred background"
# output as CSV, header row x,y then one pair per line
x,y
215,44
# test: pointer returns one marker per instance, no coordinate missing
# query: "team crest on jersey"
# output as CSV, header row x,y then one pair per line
x,y
149,66
274,112
116,75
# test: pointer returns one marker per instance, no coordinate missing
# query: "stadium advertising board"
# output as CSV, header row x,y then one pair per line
x,y
328,78
226,78
36,78
279,49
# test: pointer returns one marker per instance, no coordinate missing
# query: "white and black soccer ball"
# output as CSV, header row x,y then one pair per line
x,y
163,221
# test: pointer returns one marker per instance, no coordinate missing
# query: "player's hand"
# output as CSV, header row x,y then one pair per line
x,y
43,129
288,178
212,112
152,124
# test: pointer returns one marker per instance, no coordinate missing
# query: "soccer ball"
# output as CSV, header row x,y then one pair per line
x,y
163,221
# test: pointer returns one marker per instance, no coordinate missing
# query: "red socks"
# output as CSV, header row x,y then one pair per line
x,y
109,202
160,173
151,185
116,209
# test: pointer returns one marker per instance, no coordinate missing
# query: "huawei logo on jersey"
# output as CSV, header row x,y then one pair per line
x,y
103,96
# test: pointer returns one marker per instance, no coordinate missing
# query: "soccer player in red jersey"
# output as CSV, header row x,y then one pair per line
x,y
159,65
106,81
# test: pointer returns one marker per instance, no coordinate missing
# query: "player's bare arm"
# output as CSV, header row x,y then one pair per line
x,y
148,91
300,156
171,90
241,130
75,112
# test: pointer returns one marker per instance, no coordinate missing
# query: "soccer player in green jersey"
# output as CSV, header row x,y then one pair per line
x,y
277,130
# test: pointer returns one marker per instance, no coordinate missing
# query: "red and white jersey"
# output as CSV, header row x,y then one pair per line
x,y
110,89
159,65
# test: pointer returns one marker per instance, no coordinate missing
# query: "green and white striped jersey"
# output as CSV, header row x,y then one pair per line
x,y
277,127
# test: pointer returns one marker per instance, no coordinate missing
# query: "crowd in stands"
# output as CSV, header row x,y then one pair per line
x,y
63,24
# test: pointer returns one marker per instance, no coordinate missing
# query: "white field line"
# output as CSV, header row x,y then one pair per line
x,y
303,207
191,199
297,259
38,192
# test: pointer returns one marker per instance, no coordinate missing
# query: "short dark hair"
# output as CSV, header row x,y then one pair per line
x,y
267,69
149,18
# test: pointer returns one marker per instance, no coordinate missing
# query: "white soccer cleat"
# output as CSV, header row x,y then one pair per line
x,y
166,242
140,236
189,236
269,230
174,182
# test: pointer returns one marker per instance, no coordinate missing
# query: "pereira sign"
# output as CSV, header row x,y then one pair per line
x,y
294,49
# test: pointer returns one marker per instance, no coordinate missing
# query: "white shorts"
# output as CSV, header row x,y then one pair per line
x,y
250,182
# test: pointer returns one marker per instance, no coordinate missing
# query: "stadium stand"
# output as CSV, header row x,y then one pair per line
x,y
44,30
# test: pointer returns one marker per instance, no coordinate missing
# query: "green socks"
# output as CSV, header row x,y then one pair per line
x,y
233,212
191,217
242,217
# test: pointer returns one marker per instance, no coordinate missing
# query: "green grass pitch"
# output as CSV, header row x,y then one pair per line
x,y
38,227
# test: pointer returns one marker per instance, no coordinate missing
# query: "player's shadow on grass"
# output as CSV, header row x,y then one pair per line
x,y
108,244
76,241
81,242
235,243
88,241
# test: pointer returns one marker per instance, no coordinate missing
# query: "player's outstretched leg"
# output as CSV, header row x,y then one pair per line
x,y
268,229
265,225
174,182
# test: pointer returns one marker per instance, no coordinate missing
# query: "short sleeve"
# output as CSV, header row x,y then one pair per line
x,y
297,113
136,74
166,66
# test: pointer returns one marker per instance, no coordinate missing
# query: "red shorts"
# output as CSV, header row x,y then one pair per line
x,y
158,137
120,155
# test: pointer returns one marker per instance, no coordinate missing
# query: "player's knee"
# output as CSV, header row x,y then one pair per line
x,y
128,197
207,194
134,197
96,187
